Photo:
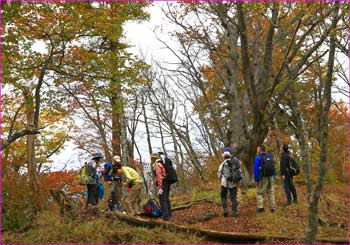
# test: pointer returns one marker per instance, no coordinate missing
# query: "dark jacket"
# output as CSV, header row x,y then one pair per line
x,y
284,164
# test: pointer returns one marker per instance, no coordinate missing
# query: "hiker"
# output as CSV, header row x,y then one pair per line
x,y
229,174
93,186
264,176
165,175
133,181
287,177
115,195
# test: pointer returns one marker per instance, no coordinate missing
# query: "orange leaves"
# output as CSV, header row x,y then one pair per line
x,y
63,180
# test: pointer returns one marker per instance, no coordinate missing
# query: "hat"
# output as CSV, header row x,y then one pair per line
x,y
116,158
228,150
97,155
285,147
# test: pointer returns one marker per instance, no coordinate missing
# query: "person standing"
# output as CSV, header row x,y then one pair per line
x,y
264,176
229,174
92,187
287,177
163,181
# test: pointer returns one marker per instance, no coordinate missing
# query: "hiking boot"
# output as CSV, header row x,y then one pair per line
x,y
295,201
225,212
260,210
234,214
272,210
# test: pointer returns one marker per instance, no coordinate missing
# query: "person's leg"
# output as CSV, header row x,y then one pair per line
x,y
166,189
223,195
233,194
166,193
293,190
92,198
136,198
261,189
88,199
131,200
164,204
271,193
286,184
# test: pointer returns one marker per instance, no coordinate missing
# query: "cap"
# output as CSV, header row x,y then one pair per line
x,y
97,155
228,150
116,158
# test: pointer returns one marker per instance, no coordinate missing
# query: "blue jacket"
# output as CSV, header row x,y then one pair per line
x,y
108,167
257,164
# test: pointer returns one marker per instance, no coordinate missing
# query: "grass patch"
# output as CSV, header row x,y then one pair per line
x,y
51,228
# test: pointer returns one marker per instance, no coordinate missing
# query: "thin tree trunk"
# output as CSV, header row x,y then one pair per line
x,y
148,135
161,134
124,140
325,105
30,152
116,125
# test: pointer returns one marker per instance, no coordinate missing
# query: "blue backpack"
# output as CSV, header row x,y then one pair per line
x,y
151,209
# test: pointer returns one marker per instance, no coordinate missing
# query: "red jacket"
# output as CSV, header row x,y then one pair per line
x,y
160,175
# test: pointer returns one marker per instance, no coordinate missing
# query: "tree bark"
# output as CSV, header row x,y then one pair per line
x,y
30,151
148,135
325,105
116,114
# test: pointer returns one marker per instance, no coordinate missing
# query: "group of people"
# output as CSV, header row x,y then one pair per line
x,y
229,174
116,177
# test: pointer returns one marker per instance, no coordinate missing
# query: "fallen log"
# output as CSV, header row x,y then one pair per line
x,y
231,237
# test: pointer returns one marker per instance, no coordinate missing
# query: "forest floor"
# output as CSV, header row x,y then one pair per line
x,y
287,221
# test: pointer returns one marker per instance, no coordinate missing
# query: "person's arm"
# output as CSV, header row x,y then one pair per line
x,y
257,168
159,176
219,173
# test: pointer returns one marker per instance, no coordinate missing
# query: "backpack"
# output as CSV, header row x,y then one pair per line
x,y
230,170
294,168
171,175
267,165
84,177
151,209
